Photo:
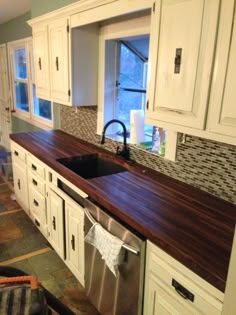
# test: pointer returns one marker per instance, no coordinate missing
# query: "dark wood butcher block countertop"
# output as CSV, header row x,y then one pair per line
x,y
192,226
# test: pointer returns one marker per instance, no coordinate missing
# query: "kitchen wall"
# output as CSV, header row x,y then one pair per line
x,y
44,6
15,29
205,164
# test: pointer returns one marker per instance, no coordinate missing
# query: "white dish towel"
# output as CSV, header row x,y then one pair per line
x,y
109,246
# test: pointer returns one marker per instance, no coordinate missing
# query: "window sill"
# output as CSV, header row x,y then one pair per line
x,y
32,122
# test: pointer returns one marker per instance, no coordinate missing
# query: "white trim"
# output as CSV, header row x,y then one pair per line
x,y
32,122
128,28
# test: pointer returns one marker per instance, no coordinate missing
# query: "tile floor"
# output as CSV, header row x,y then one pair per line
x,y
23,246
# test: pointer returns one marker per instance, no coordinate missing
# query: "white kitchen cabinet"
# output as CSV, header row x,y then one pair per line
x,y
222,109
58,38
41,60
171,288
20,176
37,192
65,61
75,238
182,43
56,222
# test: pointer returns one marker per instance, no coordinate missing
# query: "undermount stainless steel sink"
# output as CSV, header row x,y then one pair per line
x,y
90,166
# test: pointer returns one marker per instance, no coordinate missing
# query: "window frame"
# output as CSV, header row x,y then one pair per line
x,y
137,26
27,44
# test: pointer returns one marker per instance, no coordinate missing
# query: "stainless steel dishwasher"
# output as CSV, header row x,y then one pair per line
x,y
121,295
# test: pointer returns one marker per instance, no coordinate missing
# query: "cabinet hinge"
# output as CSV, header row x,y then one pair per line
x,y
154,7
68,92
68,28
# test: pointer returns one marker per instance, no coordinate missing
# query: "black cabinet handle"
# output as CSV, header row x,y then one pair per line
x,y
73,242
18,183
34,182
37,222
16,153
57,63
54,223
40,64
34,168
36,203
182,291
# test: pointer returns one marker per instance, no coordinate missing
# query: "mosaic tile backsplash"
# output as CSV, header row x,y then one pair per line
x,y
206,164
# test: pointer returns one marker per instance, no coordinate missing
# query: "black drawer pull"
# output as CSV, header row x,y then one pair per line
x,y
34,182
34,168
36,203
73,242
37,222
16,153
182,291
18,183
54,223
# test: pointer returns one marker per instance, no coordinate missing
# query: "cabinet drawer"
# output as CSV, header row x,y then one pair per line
x,y
18,153
37,205
182,284
37,183
35,166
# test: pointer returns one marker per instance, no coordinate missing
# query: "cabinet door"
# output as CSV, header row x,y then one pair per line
x,y
20,185
181,49
75,239
59,60
5,127
56,222
222,113
41,64
37,205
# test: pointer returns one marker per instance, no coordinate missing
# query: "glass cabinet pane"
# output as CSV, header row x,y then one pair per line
x,y
42,108
21,92
20,64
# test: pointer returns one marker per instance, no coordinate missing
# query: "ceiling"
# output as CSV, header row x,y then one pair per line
x,y
9,9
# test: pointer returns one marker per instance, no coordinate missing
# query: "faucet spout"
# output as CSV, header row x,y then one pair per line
x,y
124,152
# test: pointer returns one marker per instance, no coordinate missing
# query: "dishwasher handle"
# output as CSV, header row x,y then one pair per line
x,y
127,247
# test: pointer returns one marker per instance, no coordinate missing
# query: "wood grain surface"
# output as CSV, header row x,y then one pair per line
x,y
192,226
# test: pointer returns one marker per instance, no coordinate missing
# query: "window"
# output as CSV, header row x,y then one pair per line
x,y
25,101
124,52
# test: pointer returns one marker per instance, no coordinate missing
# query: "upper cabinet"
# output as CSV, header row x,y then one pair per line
x,y
41,60
182,48
58,31
222,110
65,61
192,68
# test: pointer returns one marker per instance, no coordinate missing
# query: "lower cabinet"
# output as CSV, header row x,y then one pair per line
x,y
21,185
20,176
171,288
74,215
66,230
56,222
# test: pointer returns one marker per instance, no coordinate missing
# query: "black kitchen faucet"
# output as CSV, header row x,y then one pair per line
x,y
124,152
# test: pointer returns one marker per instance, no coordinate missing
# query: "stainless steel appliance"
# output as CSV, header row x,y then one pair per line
x,y
121,295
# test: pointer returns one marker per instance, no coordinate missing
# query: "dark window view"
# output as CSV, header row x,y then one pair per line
x,y
21,91
21,86
131,95
42,108
132,80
